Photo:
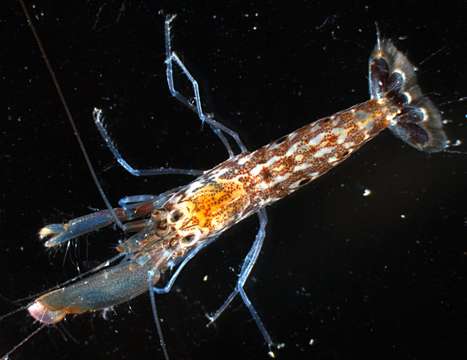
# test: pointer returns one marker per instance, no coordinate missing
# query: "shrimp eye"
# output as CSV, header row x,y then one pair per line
x,y
158,215
176,215
162,225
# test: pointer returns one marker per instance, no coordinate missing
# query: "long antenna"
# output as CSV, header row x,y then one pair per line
x,y
68,114
22,342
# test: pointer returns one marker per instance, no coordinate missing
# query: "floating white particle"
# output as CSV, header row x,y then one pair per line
x,y
311,342
403,216
205,278
366,192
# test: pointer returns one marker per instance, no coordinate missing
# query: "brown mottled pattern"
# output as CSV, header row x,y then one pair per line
x,y
281,167
249,181
218,199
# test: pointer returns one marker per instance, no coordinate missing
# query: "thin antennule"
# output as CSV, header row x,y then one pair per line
x,y
156,318
68,114
22,342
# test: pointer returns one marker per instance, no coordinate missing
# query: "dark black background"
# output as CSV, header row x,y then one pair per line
x,y
345,270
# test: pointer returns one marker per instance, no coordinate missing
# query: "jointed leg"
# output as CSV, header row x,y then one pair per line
x,y
57,234
155,290
156,316
191,255
98,120
130,202
131,208
259,323
247,266
218,128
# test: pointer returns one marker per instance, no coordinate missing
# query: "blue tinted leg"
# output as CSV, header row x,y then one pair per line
x,y
218,128
174,276
130,202
131,208
152,298
259,323
58,234
99,121
247,266
155,290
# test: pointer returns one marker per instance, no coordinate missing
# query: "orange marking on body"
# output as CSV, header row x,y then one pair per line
x,y
213,205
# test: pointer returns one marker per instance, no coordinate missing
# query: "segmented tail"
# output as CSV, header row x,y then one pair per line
x,y
392,76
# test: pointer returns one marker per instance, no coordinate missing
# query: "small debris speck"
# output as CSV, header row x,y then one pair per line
x,y
367,192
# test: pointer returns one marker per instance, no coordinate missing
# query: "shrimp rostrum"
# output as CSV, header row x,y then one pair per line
x,y
163,232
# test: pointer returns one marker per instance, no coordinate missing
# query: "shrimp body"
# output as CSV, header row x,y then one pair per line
x,y
250,181
214,202
166,230
283,166
171,225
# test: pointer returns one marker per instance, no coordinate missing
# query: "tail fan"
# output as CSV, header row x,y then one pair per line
x,y
392,76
